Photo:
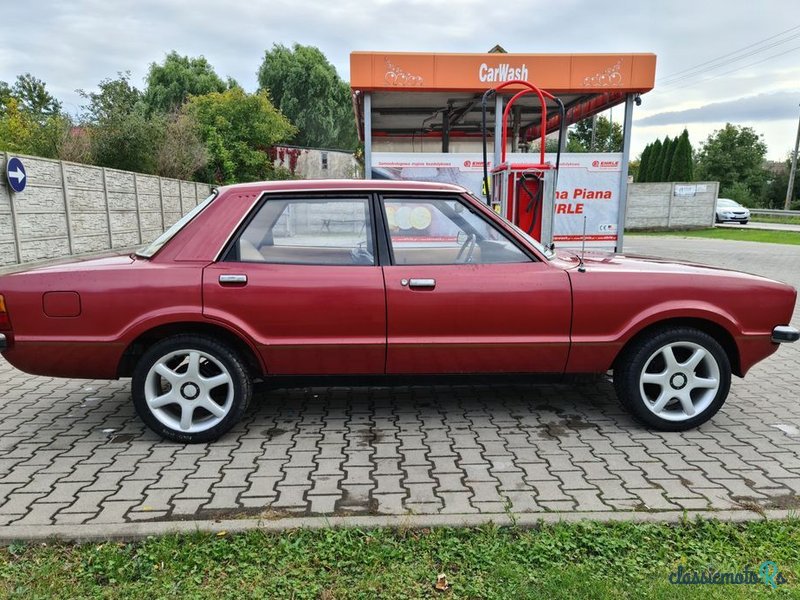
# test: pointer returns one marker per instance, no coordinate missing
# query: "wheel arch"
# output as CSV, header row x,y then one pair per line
x,y
712,328
152,335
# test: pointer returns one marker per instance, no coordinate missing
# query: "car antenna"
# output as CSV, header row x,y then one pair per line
x,y
581,266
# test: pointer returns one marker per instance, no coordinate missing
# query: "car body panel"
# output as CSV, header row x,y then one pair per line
x,y
304,319
495,318
119,297
633,293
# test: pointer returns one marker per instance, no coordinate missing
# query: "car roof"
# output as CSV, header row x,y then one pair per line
x,y
299,185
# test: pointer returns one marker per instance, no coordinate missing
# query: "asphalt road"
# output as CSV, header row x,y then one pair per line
x,y
757,225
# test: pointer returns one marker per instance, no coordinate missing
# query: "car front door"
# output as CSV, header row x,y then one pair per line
x,y
302,281
463,297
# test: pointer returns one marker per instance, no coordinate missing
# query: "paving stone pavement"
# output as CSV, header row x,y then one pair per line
x,y
73,451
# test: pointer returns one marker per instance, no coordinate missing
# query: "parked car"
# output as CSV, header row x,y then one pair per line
x,y
730,210
381,278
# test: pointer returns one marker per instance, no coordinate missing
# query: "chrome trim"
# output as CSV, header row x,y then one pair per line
x,y
3,342
233,278
785,334
422,283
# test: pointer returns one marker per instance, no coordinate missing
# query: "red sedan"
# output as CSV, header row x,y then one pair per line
x,y
362,279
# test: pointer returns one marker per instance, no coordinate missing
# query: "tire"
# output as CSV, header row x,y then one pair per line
x,y
744,222
673,395
191,388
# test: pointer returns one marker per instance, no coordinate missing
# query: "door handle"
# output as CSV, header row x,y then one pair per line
x,y
421,283
233,279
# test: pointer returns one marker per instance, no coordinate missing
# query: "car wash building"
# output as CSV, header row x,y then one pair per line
x,y
421,117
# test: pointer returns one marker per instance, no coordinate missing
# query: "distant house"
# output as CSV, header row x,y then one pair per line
x,y
316,163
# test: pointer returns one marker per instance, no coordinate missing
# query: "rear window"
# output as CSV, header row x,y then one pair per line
x,y
150,250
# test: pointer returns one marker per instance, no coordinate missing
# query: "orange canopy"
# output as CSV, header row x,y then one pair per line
x,y
584,73
411,91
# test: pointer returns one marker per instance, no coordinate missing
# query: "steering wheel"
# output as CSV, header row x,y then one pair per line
x,y
467,249
361,256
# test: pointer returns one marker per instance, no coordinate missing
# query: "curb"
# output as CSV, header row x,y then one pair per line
x,y
129,532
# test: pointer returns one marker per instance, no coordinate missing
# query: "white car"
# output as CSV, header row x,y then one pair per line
x,y
729,210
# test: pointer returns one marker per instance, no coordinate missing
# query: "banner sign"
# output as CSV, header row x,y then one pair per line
x,y
588,185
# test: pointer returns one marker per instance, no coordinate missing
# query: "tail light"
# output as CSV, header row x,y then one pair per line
x,y
5,321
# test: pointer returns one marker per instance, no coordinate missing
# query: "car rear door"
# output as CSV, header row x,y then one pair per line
x,y
301,280
463,297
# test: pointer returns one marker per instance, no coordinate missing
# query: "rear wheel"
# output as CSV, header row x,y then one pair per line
x,y
674,379
191,388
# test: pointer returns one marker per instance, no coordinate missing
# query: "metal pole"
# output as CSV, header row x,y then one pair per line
x,y
498,129
446,131
792,171
367,135
14,225
623,181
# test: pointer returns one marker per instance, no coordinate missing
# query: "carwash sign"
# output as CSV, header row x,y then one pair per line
x,y
15,174
502,72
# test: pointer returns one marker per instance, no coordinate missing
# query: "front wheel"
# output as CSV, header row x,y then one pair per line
x,y
191,388
674,379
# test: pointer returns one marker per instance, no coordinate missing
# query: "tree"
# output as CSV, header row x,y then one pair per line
x,y
777,181
182,153
22,132
734,156
5,95
122,135
31,121
171,83
238,129
644,164
682,165
669,152
607,138
34,99
655,161
305,87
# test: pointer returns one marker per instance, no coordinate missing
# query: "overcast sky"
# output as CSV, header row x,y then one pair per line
x,y
74,44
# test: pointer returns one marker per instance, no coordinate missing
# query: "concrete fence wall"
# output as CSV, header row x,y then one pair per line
x,y
69,209
671,205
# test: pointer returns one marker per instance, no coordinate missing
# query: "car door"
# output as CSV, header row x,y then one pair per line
x,y
301,279
464,297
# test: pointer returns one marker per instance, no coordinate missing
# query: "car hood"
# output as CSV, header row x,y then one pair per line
x,y
637,263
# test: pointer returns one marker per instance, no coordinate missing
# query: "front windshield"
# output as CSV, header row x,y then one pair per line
x,y
549,254
156,245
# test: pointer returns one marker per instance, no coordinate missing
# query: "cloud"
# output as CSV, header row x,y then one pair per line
x,y
775,106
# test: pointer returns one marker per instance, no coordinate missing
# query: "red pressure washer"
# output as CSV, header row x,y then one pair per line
x,y
524,193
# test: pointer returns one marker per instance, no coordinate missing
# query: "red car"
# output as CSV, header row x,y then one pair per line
x,y
363,278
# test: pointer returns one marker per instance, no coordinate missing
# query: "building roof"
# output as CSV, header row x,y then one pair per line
x,y
412,92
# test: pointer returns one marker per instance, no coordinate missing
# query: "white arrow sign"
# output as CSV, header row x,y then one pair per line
x,y
18,175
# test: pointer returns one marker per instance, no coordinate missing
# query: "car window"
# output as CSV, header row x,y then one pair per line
x,y
440,231
308,232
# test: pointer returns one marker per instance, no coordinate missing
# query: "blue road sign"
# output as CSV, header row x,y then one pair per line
x,y
16,175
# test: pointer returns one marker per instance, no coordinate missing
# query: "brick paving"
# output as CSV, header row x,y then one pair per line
x,y
73,452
